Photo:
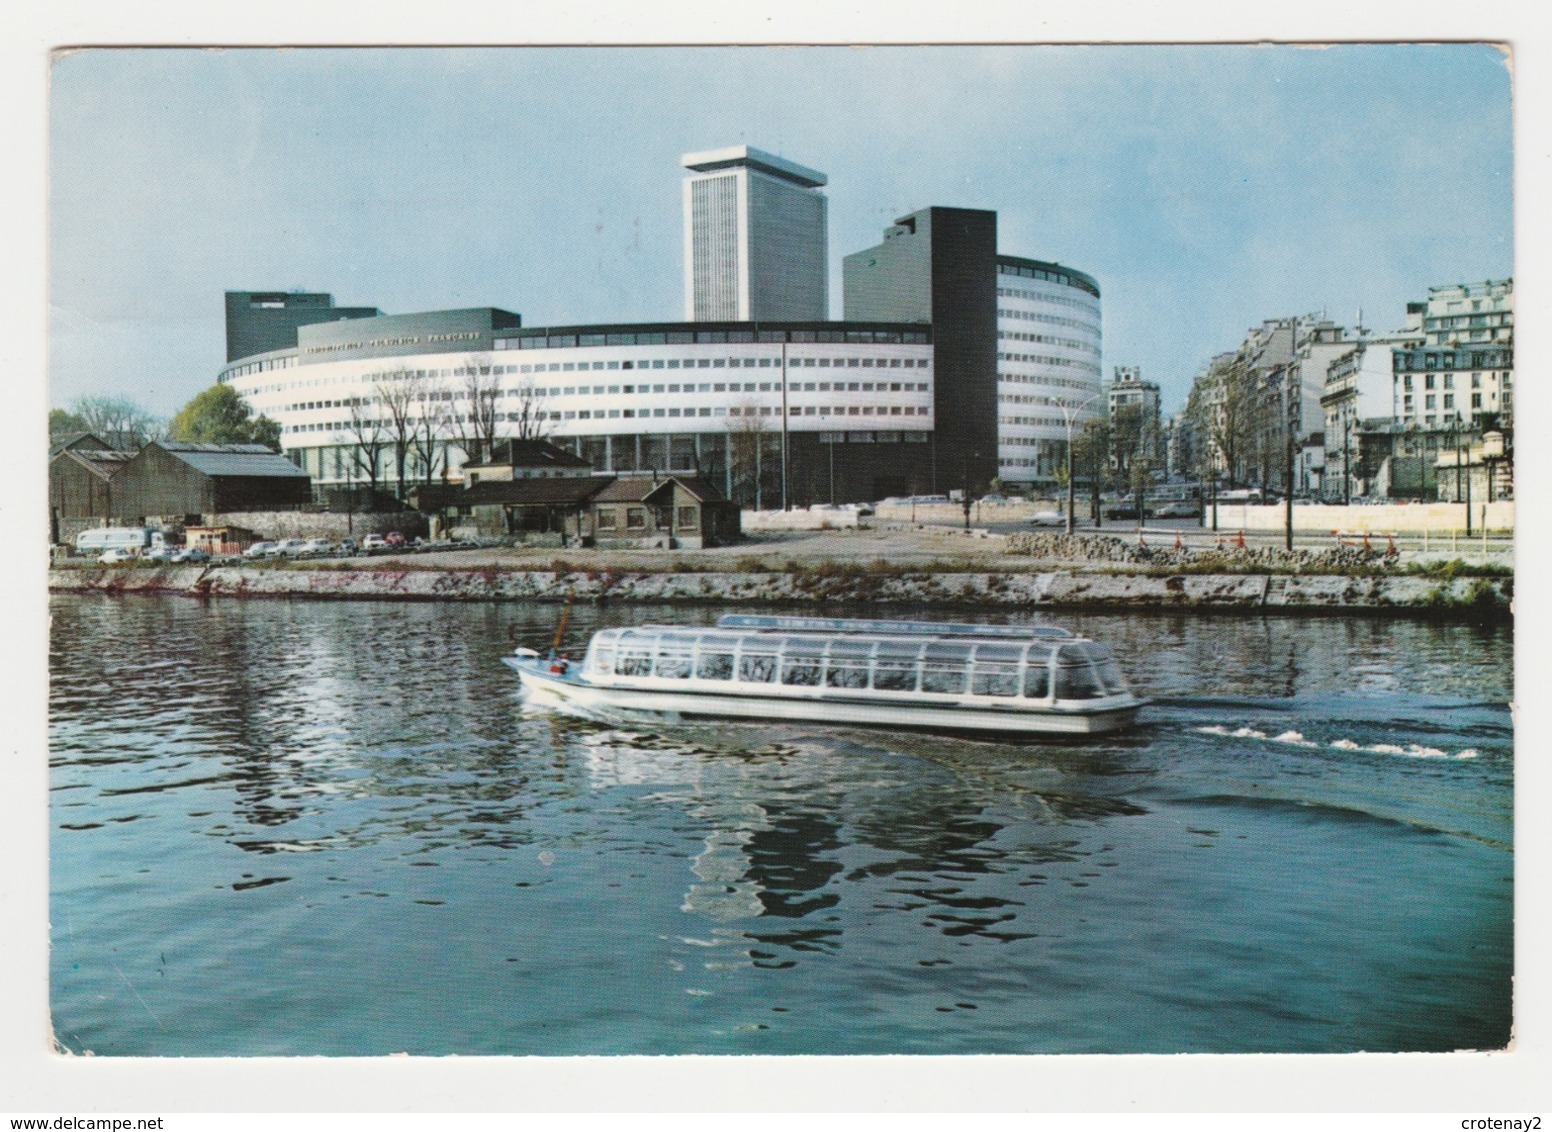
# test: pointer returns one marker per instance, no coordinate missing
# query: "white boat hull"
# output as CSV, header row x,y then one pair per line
x,y
571,694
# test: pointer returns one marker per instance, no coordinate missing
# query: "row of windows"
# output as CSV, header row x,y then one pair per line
x,y
872,437
540,340
719,411
570,367
688,518
1052,319
638,414
1031,316
721,363
1449,381
641,390
1047,297
1042,379
1449,401
1041,421
733,387
1045,360
1020,336
1414,360
1062,277
259,367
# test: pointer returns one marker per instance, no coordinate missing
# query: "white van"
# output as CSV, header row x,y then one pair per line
x,y
136,540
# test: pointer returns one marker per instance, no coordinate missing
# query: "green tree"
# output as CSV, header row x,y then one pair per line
x,y
63,425
219,415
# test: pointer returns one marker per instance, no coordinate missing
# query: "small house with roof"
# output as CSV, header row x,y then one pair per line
x,y
82,473
664,512
512,459
171,479
556,505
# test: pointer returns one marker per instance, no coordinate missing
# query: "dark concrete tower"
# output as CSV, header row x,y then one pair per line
x,y
939,266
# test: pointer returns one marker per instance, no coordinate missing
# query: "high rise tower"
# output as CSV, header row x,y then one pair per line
x,y
755,238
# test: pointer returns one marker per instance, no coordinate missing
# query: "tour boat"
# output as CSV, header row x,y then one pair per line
x,y
936,676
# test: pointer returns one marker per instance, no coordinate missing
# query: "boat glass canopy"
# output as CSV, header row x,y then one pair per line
x,y
837,657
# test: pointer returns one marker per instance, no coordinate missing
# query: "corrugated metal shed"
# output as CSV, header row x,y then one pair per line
x,y
218,460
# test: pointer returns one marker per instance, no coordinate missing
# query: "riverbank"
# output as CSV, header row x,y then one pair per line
x,y
809,585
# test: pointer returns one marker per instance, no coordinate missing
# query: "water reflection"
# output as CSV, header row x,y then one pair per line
x,y
296,756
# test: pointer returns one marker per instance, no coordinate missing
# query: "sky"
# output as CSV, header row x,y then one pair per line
x,y
1205,187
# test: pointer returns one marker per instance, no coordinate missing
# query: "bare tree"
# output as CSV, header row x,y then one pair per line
x,y
528,420
746,437
1091,449
471,420
366,428
399,396
118,422
430,426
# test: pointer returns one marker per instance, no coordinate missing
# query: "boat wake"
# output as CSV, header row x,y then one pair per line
x,y
1297,739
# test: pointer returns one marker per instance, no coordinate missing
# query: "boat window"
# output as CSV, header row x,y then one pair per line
x,y
1039,652
1000,654
946,652
714,665
801,668
894,674
899,650
846,672
1077,682
1072,654
943,678
601,660
851,648
673,664
757,668
634,660
1037,680
994,679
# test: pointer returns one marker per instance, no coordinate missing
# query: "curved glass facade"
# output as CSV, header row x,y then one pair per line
x,y
1049,370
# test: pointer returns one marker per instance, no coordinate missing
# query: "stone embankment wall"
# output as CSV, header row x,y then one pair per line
x,y
1012,590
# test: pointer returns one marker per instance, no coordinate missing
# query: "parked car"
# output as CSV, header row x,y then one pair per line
x,y
394,540
1126,510
1178,509
316,548
286,548
190,555
115,556
259,550
374,544
162,553
347,547
1048,519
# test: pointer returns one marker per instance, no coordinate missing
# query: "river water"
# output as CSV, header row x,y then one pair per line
x,y
292,828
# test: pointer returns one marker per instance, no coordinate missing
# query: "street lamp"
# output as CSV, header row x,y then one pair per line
x,y
1492,453
1068,410
1459,430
